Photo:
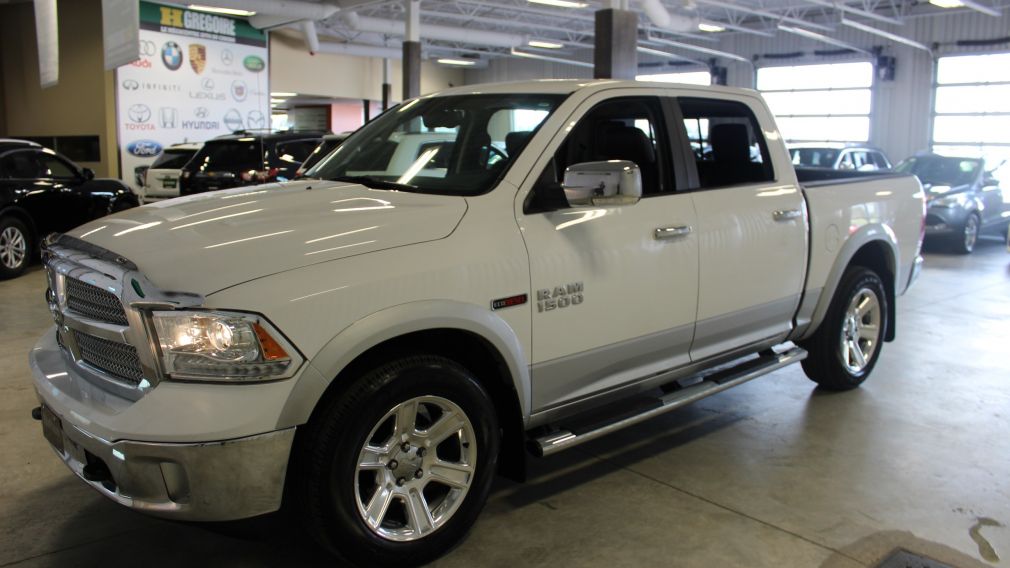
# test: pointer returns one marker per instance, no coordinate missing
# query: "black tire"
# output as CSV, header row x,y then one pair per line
x,y
16,247
964,243
327,485
830,363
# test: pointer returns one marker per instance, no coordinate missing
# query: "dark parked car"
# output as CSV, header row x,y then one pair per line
x,y
327,145
245,158
42,192
859,157
963,198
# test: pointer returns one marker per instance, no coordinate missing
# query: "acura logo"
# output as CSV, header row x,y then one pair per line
x,y
131,85
139,113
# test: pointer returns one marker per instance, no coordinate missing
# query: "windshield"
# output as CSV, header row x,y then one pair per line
x,y
241,154
172,159
324,147
814,157
454,145
940,170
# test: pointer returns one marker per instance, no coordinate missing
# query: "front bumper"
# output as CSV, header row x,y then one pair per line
x,y
945,221
219,480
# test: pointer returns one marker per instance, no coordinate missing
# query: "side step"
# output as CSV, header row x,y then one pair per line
x,y
710,384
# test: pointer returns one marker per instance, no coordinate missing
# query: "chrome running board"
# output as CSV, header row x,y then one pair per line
x,y
712,382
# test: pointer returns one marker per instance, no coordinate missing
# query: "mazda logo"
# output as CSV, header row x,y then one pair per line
x,y
131,85
139,113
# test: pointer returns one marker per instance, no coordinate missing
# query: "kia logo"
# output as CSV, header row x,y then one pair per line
x,y
201,112
144,148
131,85
207,84
148,48
139,113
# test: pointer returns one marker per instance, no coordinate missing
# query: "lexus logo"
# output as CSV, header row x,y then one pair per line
x,y
148,48
131,85
201,112
139,113
207,84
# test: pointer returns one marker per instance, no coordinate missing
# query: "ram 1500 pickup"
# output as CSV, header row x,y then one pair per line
x,y
372,343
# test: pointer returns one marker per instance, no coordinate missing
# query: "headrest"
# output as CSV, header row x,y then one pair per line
x,y
730,143
514,141
622,142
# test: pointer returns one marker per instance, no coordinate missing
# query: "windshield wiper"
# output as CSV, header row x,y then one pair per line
x,y
376,183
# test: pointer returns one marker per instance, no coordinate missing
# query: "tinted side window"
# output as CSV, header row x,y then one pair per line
x,y
880,160
728,146
295,151
52,167
19,165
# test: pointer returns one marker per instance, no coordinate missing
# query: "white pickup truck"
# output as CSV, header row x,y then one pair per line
x,y
371,348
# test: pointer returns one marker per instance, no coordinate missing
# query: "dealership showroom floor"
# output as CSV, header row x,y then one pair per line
x,y
775,473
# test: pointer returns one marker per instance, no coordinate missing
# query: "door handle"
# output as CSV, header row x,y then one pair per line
x,y
787,214
663,233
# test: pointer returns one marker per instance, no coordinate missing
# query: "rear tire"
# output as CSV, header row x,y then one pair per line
x,y
845,348
15,247
396,470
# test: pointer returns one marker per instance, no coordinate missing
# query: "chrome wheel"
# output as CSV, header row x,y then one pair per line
x,y
13,247
415,468
970,233
860,330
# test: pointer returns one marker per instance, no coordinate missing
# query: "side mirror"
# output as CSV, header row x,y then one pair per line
x,y
88,173
613,182
989,181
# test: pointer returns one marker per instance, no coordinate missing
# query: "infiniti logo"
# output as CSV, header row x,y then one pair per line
x,y
131,85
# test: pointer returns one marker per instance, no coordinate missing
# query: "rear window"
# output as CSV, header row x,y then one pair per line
x,y
172,159
814,157
229,155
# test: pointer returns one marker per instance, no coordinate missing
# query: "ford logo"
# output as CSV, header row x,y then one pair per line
x,y
144,148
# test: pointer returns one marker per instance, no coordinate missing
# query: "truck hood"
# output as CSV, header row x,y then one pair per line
x,y
211,241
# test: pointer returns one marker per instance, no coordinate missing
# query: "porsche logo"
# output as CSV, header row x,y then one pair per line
x,y
197,57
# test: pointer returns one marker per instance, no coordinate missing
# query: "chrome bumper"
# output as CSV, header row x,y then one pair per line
x,y
210,481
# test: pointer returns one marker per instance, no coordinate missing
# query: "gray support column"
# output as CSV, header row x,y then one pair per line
x,y
614,56
387,88
412,50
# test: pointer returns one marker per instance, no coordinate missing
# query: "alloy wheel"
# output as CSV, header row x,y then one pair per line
x,y
970,233
860,331
13,247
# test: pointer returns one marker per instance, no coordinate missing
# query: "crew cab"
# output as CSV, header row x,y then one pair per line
x,y
374,342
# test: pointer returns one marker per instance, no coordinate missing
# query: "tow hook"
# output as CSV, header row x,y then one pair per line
x,y
37,413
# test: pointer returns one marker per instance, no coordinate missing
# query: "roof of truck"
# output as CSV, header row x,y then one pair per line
x,y
567,86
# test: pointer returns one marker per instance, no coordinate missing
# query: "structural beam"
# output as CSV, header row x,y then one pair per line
x,y
614,55
412,50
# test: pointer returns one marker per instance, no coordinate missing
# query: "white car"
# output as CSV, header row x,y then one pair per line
x,y
376,342
162,179
837,156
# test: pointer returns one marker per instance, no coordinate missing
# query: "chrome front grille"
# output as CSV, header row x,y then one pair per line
x,y
94,302
117,359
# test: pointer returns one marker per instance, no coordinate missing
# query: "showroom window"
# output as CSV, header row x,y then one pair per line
x,y
971,110
820,103
688,77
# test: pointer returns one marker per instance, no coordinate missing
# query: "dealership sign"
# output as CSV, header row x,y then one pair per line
x,y
199,75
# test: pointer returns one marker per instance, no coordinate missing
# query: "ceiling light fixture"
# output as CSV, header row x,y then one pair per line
x,y
545,44
710,28
278,95
276,101
225,11
518,53
823,38
560,3
460,62
887,35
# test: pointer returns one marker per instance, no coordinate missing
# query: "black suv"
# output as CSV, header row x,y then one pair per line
x,y
42,192
246,158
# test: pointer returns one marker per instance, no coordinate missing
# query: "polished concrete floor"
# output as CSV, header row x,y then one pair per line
x,y
774,473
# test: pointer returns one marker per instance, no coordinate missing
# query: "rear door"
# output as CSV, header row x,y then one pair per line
x,y
612,302
752,233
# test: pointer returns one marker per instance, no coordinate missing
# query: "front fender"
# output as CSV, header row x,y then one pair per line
x,y
411,317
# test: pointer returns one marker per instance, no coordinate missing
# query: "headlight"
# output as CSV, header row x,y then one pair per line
x,y
949,201
222,346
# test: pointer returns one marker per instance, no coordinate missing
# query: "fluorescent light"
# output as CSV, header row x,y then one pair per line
x,y
515,52
710,27
560,3
275,101
226,11
545,44
946,3
278,95
823,38
888,35
464,62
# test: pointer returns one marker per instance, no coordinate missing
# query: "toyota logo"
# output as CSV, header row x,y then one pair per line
x,y
131,85
148,48
139,113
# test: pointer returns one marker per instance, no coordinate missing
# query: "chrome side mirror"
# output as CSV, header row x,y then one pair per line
x,y
612,182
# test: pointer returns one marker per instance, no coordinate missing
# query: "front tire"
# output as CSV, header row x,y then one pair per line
x,y
15,247
965,242
397,469
845,348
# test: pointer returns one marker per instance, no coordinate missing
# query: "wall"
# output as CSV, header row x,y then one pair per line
x,y
293,69
83,103
902,108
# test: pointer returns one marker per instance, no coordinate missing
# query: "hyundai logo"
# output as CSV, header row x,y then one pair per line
x,y
144,148
139,113
201,112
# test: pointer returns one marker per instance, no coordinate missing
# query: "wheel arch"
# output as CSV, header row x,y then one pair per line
x,y
470,335
21,215
873,247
